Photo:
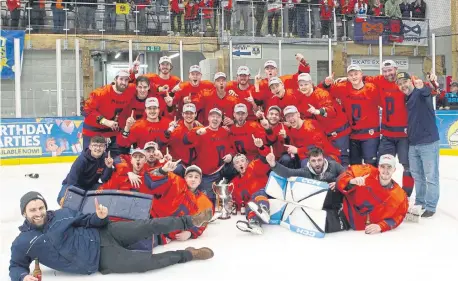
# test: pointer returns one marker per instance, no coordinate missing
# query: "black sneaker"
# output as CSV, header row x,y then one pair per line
x,y
427,214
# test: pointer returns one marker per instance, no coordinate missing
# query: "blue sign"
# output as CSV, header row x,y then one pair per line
x,y
7,62
41,137
447,123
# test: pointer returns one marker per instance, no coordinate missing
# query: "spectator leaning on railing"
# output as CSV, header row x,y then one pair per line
x,y
392,9
405,8
58,16
326,9
86,14
418,9
14,7
376,8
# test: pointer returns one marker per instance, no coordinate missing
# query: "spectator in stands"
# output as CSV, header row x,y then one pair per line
x,y
290,8
58,16
191,17
227,10
315,16
176,13
418,9
392,9
260,7
243,9
326,16
109,20
450,100
376,8
140,6
37,15
86,14
361,10
302,18
347,10
405,8
208,11
273,16
14,6
90,166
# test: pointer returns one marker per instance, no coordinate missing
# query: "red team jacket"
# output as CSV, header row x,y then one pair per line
x,y
104,102
186,152
144,131
386,207
394,111
361,108
242,138
208,99
242,95
254,179
275,140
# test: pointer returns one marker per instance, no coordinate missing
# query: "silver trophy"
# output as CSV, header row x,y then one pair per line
x,y
223,192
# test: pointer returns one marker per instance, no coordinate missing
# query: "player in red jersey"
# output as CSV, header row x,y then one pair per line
x,y
217,98
244,91
280,97
373,201
103,108
276,134
305,134
361,104
262,92
249,189
394,120
317,103
150,129
243,131
214,151
190,91
176,133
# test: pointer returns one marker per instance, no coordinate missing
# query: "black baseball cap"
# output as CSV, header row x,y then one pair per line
x,y
402,75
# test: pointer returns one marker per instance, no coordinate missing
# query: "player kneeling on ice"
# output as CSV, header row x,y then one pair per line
x,y
69,241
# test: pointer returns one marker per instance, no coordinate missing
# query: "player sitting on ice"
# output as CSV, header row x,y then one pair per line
x,y
90,166
318,168
69,241
249,189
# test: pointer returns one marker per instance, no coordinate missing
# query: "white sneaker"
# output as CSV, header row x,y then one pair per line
x,y
260,210
291,35
275,35
268,35
252,226
413,214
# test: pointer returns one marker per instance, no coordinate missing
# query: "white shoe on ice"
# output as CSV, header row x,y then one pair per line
x,y
252,226
413,214
260,210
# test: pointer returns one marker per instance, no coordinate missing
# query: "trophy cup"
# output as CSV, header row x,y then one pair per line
x,y
223,192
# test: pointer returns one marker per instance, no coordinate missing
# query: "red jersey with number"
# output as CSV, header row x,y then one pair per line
x,y
179,150
394,111
144,131
105,103
334,122
211,148
242,138
361,107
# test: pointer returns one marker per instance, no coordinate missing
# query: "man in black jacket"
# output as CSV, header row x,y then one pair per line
x,y
318,168
73,242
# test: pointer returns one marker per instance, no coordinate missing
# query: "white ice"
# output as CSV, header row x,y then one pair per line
x,y
424,251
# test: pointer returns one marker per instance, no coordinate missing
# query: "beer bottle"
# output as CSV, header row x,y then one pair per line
x,y
243,209
368,219
37,271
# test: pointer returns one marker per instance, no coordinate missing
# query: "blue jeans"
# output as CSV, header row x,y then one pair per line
x,y
424,165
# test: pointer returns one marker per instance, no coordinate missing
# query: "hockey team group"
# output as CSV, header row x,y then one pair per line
x,y
176,141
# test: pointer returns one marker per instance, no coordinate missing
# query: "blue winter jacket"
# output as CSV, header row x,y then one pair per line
x,y
69,242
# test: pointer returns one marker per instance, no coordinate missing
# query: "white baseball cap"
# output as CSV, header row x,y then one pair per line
x,y
243,70
240,107
216,110
304,77
150,144
165,59
151,102
138,150
290,109
189,107
353,67
219,75
387,159
274,107
270,63
274,80
123,73
193,168
389,63
195,68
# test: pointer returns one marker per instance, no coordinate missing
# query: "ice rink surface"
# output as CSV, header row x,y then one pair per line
x,y
424,251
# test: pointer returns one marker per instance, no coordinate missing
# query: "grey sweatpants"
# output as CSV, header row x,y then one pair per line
x,y
117,236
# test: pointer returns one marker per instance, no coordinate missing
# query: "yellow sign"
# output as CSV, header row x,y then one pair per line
x,y
453,135
21,151
122,8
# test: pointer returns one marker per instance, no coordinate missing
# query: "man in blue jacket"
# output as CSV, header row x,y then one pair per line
x,y
69,241
90,166
423,137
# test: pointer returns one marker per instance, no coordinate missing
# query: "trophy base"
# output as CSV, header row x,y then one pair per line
x,y
224,217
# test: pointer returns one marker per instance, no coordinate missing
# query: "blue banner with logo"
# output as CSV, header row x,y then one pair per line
x,y
41,137
7,62
369,30
447,122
